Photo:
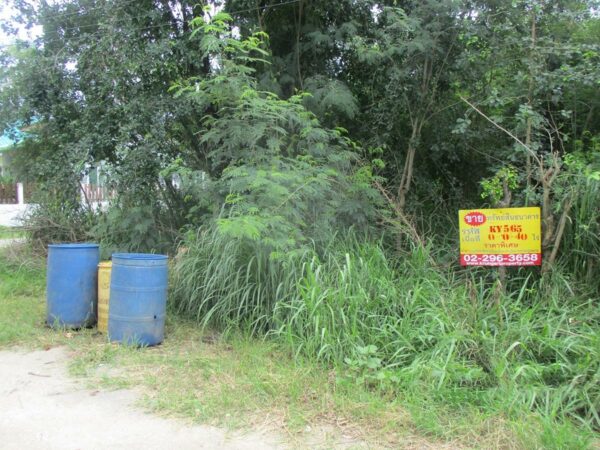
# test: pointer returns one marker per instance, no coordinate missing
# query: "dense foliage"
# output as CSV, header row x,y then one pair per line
x,y
307,159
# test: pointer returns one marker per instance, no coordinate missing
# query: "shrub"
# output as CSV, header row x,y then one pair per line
x,y
55,219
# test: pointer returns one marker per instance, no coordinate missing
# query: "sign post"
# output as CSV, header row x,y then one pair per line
x,y
500,237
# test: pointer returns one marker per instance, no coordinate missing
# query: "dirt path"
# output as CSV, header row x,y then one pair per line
x,y
41,407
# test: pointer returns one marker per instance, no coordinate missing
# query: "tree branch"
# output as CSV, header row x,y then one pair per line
x,y
500,127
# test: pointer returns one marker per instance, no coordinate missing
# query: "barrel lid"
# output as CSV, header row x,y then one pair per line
x,y
140,256
146,260
79,245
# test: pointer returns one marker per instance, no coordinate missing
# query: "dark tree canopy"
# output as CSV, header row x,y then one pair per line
x,y
422,101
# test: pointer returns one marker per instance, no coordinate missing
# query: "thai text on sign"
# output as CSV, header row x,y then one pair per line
x,y
500,237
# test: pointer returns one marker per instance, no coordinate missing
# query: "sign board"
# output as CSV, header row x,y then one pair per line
x,y
500,237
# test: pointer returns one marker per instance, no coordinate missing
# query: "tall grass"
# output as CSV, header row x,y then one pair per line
x,y
581,243
404,324
225,282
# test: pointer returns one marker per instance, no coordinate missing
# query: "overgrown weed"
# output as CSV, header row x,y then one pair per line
x,y
407,327
464,374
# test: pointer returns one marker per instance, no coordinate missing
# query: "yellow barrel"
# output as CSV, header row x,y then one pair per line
x,y
104,269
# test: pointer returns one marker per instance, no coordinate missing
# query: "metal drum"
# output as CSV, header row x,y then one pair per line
x,y
138,298
71,285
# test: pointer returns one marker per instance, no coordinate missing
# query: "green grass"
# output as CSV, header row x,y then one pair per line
x,y
21,288
242,383
580,247
10,232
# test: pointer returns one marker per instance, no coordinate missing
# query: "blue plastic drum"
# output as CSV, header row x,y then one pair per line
x,y
71,285
138,298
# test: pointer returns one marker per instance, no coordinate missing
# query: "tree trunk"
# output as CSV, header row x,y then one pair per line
x,y
298,35
407,172
529,170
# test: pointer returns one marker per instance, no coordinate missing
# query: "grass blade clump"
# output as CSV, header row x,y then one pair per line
x,y
580,248
223,282
403,324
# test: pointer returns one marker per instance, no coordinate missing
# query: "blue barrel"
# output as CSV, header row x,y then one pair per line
x,y
138,298
71,285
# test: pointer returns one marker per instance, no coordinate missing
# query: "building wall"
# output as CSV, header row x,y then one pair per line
x,y
10,215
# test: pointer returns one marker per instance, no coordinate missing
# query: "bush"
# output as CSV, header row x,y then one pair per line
x,y
134,229
54,219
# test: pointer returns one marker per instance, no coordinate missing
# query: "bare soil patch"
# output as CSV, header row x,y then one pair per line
x,y
43,408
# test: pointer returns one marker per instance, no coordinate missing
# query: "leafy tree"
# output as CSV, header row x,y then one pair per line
x,y
283,177
96,86
529,74
411,57
259,119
